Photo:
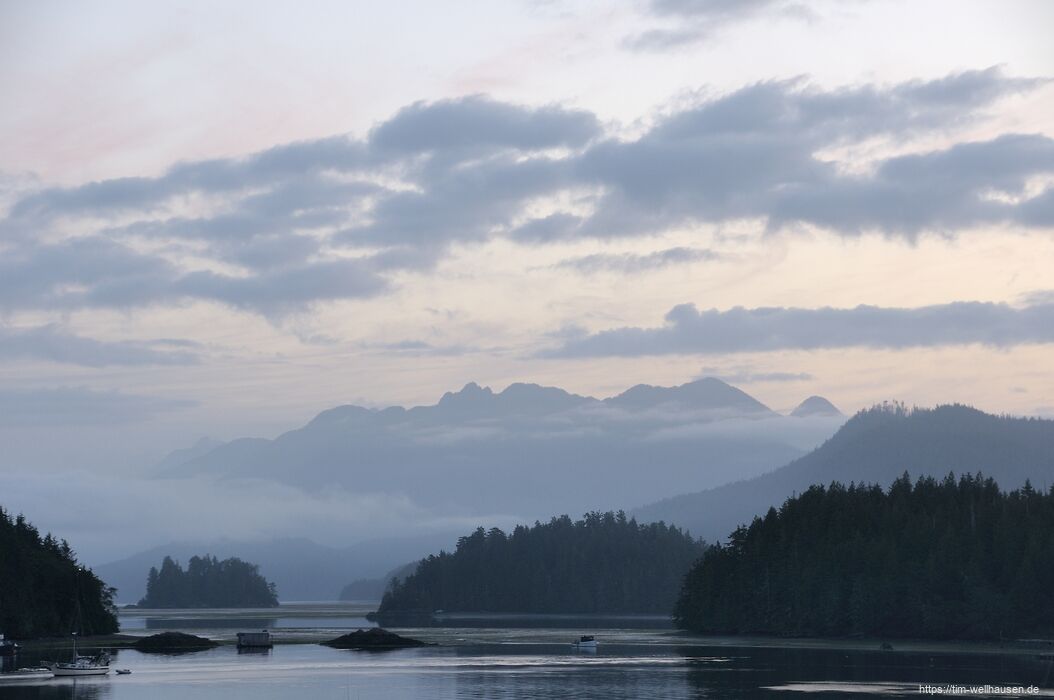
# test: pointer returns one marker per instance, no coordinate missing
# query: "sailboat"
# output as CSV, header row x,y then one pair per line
x,y
98,665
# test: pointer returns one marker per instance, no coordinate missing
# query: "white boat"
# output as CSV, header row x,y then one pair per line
x,y
27,674
586,642
83,665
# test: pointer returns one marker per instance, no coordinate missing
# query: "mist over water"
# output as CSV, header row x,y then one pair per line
x,y
475,458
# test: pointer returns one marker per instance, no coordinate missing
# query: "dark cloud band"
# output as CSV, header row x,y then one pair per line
x,y
50,343
687,330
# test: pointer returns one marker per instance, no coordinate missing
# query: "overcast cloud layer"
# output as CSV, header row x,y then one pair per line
x,y
336,218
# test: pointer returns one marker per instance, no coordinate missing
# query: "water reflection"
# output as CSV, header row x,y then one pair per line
x,y
79,689
619,672
521,661
254,651
854,671
208,623
568,622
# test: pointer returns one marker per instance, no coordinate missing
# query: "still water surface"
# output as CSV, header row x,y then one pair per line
x,y
529,659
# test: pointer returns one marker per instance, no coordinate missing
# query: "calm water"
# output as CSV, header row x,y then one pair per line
x,y
522,661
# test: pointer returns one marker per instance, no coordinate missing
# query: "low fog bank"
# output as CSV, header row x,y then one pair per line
x,y
476,458
106,518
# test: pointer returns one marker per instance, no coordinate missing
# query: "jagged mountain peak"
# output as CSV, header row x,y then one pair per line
x,y
470,393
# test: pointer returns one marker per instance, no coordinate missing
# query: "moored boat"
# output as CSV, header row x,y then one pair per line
x,y
84,666
586,642
27,674
255,640
98,665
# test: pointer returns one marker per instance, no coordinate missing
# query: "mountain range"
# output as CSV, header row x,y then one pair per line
x,y
476,456
706,455
876,446
528,451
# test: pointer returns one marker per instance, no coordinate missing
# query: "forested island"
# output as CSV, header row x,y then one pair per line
x,y
942,559
208,582
604,563
44,591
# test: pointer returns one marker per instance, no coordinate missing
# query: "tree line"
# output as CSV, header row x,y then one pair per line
x,y
44,591
949,559
208,582
603,563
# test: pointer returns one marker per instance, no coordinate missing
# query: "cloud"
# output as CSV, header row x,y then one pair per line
x,y
421,348
454,203
53,344
97,273
277,164
479,124
664,39
338,218
943,190
753,154
746,375
630,263
688,330
695,20
1045,296
69,406
547,229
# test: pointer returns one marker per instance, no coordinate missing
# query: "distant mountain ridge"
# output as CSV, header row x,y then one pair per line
x,y
528,450
815,406
181,456
709,394
877,446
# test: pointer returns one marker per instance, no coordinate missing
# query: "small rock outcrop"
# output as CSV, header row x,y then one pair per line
x,y
373,638
173,642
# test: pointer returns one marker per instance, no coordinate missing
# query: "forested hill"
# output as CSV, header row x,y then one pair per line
x,y
938,559
877,446
44,591
208,583
603,563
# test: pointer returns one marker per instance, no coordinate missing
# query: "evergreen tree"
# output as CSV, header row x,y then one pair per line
x,y
44,591
208,583
604,563
938,559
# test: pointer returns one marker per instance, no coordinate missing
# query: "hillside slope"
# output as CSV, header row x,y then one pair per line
x,y
877,446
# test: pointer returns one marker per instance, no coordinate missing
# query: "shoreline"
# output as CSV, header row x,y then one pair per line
x,y
912,646
1039,648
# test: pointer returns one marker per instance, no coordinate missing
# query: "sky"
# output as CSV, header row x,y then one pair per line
x,y
221,219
